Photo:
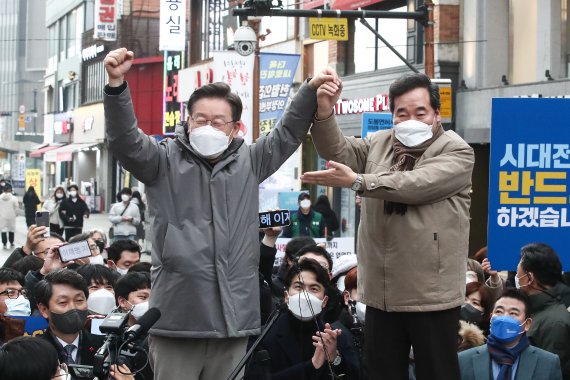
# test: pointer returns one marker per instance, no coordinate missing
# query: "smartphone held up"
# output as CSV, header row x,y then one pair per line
x,y
42,220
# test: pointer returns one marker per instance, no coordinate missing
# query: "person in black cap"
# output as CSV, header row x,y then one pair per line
x,y
72,211
306,221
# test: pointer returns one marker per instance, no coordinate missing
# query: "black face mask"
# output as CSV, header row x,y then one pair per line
x,y
70,322
470,314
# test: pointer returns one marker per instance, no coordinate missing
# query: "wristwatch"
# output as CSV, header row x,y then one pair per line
x,y
336,362
358,183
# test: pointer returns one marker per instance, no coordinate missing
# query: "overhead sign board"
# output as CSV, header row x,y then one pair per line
x,y
328,28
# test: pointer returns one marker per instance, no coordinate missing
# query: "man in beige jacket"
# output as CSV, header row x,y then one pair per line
x,y
413,237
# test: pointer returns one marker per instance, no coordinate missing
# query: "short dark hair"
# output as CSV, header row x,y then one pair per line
x,y
97,273
44,288
309,265
410,82
114,250
317,250
518,295
141,266
295,244
80,237
72,186
543,262
28,358
28,263
126,190
217,90
131,282
303,195
9,275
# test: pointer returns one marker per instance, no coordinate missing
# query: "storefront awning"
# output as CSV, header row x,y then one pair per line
x,y
40,151
65,152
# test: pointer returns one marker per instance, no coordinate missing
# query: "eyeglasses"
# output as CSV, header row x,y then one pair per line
x,y
14,293
216,123
63,372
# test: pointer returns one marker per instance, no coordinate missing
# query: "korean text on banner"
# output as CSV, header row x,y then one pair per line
x,y
276,72
172,33
237,71
34,178
171,106
528,184
374,122
105,27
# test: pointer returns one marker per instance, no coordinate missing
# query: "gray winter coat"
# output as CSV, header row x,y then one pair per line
x,y
205,250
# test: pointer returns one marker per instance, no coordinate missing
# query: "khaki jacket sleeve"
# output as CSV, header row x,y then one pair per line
x,y
332,145
432,180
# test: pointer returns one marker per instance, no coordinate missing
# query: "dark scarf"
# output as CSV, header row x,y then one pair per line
x,y
506,357
404,160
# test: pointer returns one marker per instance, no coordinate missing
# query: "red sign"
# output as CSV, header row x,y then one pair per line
x,y
341,4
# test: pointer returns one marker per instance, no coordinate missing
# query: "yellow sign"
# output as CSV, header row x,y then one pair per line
x,y
328,28
21,123
34,178
446,110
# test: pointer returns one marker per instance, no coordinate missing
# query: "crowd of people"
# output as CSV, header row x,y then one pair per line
x,y
411,306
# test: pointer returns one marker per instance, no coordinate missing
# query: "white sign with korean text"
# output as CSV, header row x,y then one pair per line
x,y
237,71
172,25
337,247
105,20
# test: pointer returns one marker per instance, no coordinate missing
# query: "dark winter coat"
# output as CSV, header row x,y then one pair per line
x,y
72,212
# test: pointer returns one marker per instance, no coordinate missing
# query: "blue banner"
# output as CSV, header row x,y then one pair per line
x,y
276,72
528,184
374,122
34,325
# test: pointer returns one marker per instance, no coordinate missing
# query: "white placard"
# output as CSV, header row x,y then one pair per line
x,y
237,71
337,247
172,25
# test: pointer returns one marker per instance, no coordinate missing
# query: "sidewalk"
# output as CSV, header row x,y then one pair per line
x,y
99,221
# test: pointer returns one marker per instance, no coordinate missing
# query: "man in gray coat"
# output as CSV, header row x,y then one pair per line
x,y
202,188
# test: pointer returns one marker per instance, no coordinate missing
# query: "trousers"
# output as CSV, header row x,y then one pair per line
x,y
194,358
432,335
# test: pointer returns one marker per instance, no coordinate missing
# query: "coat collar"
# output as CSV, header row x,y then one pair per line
x,y
526,367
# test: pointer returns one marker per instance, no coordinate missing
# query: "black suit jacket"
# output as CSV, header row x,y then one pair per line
x,y
88,346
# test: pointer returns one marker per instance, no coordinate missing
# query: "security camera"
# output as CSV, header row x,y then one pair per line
x,y
245,40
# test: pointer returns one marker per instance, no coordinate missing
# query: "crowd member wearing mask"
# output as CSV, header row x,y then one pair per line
x,y
141,233
351,322
306,221
125,216
294,342
62,300
414,181
538,273
8,212
13,303
202,191
101,282
51,205
36,244
132,292
291,248
122,254
508,354
478,306
72,211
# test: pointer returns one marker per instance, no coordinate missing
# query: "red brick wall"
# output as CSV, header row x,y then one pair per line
x,y
446,19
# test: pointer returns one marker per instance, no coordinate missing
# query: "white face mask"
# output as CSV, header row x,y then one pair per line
x,y
209,142
101,301
73,194
125,197
122,271
413,132
305,203
139,309
299,306
517,281
97,260
19,307
59,195
360,311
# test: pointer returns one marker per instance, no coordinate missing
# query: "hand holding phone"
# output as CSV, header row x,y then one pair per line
x,y
42,220
74,251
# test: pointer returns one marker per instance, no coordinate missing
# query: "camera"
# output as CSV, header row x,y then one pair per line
x,y
245,40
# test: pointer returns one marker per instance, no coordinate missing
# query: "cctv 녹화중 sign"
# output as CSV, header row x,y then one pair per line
x,y
328,28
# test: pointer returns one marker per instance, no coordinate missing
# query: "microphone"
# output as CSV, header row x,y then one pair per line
x,y
144,324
